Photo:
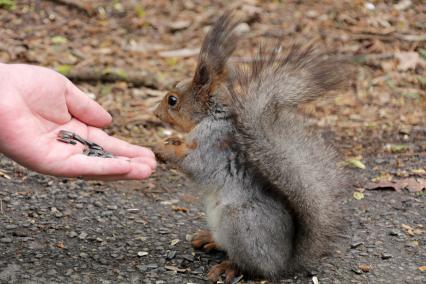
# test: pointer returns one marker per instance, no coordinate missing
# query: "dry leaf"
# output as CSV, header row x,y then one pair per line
x,y
396,148
364,267
411,184
408,229
358,195
185,52
356,163
3,174
180,209
407,60
174,268
418,171
142,253
422,268
383,177
174,242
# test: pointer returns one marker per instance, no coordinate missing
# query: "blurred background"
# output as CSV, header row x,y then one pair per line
x,y
127,53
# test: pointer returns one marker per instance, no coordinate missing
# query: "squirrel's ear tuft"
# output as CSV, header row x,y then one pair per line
x,y
218,45
202,75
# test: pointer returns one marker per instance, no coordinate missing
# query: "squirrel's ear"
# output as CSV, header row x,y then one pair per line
x,y
218,45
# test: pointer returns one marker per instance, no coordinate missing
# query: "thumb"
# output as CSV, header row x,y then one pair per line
x,y
84,108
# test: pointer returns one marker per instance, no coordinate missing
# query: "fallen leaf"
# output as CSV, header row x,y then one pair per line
x,y
422,268
174,242
418,171
358,195
180,209
396,148
3,174
382,177
411,184
408,230
174,268
356,163
142,253
403,5
59,40
60,245
364,267
179,25
407,60
8,4
185,52
169,202
64,69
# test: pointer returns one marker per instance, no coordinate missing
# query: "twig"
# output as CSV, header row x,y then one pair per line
x,y
411,37
77,5
1,206
389,37
138,79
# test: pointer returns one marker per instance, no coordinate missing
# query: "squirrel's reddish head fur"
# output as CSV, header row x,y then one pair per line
x,y
185,105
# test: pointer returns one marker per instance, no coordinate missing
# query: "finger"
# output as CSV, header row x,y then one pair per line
x,y
138,172
150,162
82,165
84,108
117,146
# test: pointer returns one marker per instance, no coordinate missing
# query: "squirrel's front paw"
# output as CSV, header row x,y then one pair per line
x,y
173,149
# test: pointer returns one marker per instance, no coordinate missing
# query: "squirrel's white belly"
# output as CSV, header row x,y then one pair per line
x,y
214,208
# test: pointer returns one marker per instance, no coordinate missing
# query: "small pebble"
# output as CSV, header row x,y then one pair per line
x,y
188,257
82,235
386,255
356,244
199,270
152,266
142,253
5,240
171,254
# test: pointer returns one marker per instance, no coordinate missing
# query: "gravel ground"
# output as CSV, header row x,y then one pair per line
x,y
72,231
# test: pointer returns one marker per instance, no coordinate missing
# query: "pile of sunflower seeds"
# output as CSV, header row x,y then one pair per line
x,y
92,149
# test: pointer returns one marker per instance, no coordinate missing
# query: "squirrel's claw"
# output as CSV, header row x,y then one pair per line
x,y
175,141
225,267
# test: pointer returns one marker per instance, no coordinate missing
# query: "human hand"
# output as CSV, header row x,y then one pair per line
x,y
36,103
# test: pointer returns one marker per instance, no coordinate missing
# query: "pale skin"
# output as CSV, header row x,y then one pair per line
x,y
35,103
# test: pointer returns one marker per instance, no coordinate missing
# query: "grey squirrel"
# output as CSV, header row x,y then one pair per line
x,y
269,184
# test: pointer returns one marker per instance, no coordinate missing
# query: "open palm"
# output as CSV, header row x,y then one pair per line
x,y
36,103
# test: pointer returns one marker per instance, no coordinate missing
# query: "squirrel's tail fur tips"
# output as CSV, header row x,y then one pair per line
x,y
289,80
272,139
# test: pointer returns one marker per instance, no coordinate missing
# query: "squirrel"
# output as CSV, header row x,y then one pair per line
x,y
270,185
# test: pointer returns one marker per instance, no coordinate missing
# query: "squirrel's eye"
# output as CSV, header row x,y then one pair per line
x,y
172,100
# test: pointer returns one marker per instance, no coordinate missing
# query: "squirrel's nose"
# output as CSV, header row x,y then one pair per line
x,y
157,111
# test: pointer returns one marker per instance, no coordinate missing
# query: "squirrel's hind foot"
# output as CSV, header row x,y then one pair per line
x,y
225,267
203,240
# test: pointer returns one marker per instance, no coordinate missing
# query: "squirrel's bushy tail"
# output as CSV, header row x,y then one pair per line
x,y
273,140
